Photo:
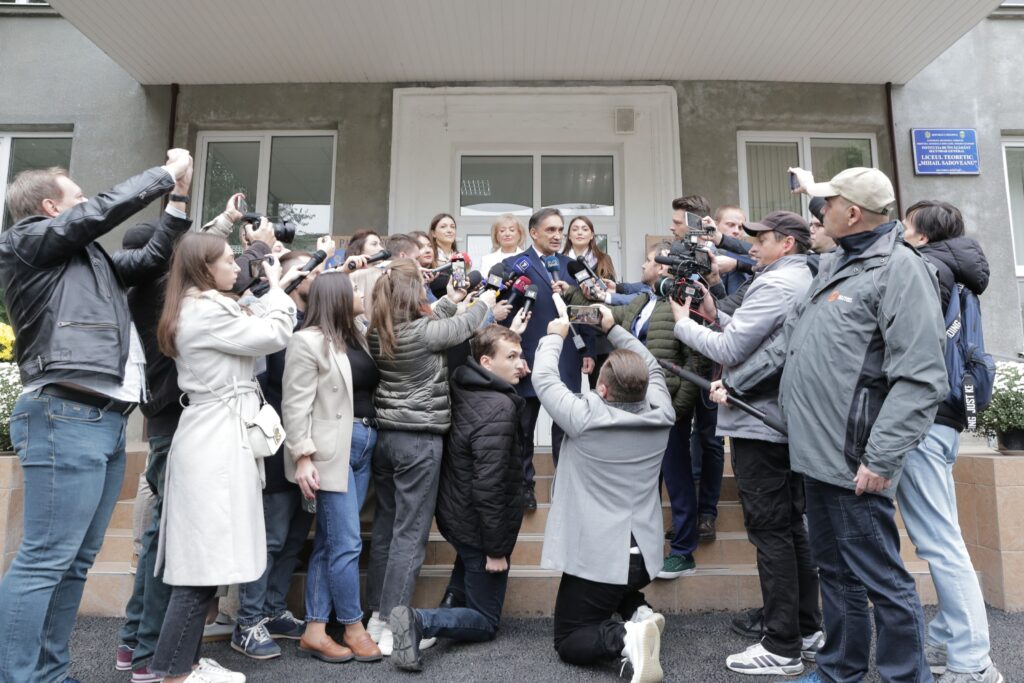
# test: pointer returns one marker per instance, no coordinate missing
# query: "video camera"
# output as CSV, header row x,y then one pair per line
x,y
688,261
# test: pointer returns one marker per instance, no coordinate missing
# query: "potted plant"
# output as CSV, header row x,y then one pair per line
x,y
1004,416
10,384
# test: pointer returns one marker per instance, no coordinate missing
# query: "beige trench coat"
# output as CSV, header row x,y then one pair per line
x,y
211,531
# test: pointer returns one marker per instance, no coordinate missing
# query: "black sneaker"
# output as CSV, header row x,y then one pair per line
x,y
405,629
750,624
529,499
449,601
706,528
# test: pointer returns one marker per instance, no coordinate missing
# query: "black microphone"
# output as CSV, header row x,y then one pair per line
x,y
382,255
598,282
475,280
318,257
531,298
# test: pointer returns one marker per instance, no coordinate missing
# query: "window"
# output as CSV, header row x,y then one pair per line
x,y
24,151
765,157
1013,158
287,176
490,185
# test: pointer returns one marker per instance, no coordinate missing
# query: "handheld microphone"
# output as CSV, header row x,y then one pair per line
x,y
530,295
519,290
475,280
552,265
598,282
382,255
521,265
318,257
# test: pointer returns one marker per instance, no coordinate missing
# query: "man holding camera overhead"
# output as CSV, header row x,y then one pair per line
x,y
771,495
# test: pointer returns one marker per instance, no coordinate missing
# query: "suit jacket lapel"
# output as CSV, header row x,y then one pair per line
x,y
344,368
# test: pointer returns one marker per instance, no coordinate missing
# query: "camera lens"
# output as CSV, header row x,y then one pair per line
x,y
284,232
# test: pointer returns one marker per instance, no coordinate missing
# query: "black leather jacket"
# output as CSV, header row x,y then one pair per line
x,y
66,297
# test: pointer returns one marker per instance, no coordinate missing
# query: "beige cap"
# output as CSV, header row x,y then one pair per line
x,y
866,187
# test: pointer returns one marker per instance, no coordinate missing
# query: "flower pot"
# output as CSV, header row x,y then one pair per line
x,y
1011,442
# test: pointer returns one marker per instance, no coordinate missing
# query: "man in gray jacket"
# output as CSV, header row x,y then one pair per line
x,y
604,529
771,495
865,377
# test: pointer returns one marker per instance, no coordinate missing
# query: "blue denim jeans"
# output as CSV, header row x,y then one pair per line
x,y
927,500
856,545
72,458
287,527
483,594
144,614
333,577
678,474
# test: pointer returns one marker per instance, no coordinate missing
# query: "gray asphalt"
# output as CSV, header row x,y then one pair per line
x,y
693,649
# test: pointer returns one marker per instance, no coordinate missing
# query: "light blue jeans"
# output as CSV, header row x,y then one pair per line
x,y
72,458
333,577
927,500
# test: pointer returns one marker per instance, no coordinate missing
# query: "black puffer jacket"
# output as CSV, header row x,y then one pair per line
x,y
957,260
480,496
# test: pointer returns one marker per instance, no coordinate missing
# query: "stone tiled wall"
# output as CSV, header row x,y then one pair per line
x,y
10,509
990,502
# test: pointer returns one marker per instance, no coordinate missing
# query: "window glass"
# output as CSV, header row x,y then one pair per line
x,y
230,167
768,178
829,156
493,185
33,153
578,184
301,172
1015,184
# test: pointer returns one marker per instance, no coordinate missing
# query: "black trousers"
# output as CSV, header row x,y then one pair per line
x,y
584,630
772,498
181,636
528,421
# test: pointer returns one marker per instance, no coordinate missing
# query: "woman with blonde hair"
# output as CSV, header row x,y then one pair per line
x,y
408,341
212,531
508,238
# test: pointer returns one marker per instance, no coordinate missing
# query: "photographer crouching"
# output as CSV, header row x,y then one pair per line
x,y
604,530
771,495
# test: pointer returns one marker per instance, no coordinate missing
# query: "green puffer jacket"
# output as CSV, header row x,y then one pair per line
x,y
412,395
662,343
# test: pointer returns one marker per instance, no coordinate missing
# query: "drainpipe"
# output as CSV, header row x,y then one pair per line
x,y
891,127
173,122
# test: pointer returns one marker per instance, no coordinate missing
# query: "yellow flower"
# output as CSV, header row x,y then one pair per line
x,y
6,343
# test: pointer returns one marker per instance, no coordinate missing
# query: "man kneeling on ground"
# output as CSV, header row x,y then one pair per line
x,y
480,497
604,529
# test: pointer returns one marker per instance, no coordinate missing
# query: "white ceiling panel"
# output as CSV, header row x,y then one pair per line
x,y
452,41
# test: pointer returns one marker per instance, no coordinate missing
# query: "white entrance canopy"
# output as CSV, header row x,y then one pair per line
x,y
430,41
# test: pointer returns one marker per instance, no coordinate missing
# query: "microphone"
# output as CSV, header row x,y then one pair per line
x,y
598,282
530,294
318,257
521,265
519,290
475,280
552,265
382,255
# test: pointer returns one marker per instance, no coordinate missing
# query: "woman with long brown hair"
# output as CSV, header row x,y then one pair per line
x,y
583,242
212,530
331,426
408,341
442,238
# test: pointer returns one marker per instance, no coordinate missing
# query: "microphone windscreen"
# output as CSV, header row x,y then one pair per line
x,y
499,270
575,268
521,265
551,264
475,278
531,292
521,284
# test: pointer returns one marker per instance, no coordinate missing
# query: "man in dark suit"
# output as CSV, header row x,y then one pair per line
x,y
546,230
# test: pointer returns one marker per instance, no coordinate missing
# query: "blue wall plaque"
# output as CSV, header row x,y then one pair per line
x,y
945,151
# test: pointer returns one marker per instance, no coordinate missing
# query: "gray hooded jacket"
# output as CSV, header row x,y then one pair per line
x,y
862,364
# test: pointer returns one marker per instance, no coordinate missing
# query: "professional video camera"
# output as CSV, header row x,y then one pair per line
x,y
688,261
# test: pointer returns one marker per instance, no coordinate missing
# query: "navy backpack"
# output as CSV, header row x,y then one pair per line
x,y
971,370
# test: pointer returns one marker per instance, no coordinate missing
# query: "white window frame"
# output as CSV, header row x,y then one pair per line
x,y
265,138
1007,143
5,157
803,140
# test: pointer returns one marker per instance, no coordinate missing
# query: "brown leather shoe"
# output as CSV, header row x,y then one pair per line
x,y
363,647
326,650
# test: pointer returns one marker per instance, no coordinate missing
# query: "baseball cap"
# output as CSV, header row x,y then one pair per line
x,y
817,208
784,223
865,187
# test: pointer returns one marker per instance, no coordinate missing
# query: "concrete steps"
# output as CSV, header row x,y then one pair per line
x,y
726,576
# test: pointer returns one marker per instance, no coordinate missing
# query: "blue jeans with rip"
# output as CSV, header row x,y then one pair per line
x,y
72,458
333,578
856,544
482,592
927,500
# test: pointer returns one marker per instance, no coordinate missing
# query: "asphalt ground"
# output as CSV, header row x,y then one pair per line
x,y
694,648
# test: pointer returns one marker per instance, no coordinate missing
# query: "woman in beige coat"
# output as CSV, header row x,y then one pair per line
x,y
212,526
329,380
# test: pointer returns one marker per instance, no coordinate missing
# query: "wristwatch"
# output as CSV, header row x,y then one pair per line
x,y
183,198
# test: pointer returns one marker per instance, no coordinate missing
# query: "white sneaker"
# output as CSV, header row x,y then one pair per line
x,y
215,672
643,651
757,660
381,634
427,643
645,613
386,642
375,626
809,645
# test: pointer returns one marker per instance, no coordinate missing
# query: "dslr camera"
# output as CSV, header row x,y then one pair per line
x,y
283,232
688,261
